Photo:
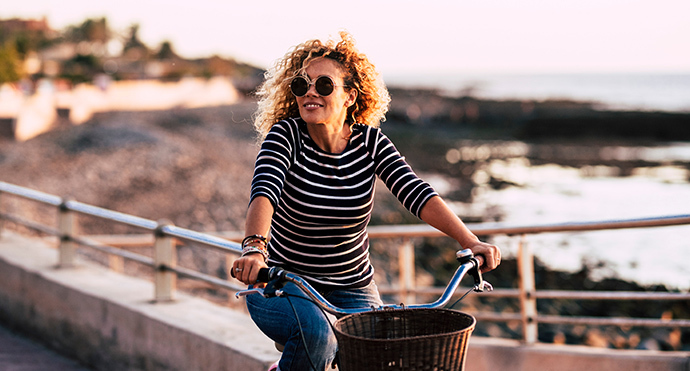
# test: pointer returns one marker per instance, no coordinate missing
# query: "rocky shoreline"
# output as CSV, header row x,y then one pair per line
x,y
535,120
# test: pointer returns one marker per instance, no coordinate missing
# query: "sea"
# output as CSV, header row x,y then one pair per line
x,y
627,91
551,193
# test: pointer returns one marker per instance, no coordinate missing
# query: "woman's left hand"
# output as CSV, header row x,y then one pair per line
x,y
490,253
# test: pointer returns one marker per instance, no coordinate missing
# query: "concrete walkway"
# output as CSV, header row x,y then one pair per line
x,y
21,354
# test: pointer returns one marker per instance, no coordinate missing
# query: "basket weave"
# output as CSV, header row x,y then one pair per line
x,y
407,339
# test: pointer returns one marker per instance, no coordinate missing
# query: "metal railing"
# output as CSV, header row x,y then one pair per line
x,y
163,236
526,293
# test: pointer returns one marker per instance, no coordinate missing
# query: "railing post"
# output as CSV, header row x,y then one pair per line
x,y
67,227
116,263
165,281
407,272
528,301
2,220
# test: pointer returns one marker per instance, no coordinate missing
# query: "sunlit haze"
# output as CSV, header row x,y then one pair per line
x,y
525,36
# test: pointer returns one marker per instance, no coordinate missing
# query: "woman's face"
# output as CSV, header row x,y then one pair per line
x,y
331,109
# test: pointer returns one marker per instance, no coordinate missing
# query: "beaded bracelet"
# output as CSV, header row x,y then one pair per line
x,y
255,249
254,238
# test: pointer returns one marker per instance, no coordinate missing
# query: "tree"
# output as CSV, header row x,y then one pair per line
x,y
133,42
26,36
91,30
81,68
166,51
9,63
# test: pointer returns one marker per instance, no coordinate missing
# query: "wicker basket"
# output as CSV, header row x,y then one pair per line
x,y
408,339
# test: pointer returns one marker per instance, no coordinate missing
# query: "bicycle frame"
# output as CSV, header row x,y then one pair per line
x,y
276,277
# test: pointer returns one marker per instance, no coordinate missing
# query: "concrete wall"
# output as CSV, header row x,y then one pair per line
x,y
499,354
107,320
36,114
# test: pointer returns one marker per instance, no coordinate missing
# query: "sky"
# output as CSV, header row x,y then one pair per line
x,y
403,36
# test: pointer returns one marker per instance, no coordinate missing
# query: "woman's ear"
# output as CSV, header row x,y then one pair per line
x,y
352,98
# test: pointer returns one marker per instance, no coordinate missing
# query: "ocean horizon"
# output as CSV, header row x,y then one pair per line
x,y
668,92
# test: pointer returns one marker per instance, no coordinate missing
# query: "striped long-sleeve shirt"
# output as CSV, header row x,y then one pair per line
x,y
323,201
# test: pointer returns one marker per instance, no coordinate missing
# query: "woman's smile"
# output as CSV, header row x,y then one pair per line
x,y
312,105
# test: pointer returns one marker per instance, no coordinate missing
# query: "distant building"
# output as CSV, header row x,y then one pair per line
x,y
16,25
77,56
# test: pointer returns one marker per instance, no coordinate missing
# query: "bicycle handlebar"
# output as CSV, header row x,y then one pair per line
x,y
264,275
276,277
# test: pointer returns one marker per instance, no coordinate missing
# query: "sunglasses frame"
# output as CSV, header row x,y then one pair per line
x,y
311,82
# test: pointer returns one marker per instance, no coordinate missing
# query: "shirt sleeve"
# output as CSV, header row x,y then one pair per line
x,y
273,161
399,177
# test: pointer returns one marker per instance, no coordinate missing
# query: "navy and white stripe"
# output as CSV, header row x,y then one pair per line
x,y
323,201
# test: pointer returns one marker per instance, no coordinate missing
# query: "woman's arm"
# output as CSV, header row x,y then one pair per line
x,y
421,199
271,167
437,214
258,221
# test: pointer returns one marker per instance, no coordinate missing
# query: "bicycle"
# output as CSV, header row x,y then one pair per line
x,y
394,336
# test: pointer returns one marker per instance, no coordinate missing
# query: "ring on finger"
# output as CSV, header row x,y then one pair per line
x,y
238,269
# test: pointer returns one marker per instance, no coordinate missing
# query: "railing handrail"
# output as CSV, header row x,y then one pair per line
x,y
165,262
486,229
110,215
122,218
374,231
30,194
563,294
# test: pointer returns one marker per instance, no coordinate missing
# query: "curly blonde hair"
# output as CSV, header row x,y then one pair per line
x,y
276,102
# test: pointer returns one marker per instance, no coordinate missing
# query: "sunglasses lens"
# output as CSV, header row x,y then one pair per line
x,y
324,86
299,86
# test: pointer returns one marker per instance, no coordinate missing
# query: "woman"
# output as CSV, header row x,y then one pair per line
x,y
313,189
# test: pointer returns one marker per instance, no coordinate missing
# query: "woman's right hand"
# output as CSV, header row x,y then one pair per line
x,y
246,268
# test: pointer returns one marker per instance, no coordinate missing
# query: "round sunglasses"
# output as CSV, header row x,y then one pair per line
x,y
324,85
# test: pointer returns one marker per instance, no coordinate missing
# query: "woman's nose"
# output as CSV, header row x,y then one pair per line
x,y
311,90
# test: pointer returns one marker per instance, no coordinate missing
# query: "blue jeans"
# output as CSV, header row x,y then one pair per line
x,y
276,318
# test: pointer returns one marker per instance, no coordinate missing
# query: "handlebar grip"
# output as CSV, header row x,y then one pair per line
x,y
466,255
480,260
263,275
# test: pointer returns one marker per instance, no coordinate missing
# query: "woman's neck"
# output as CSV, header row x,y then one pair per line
x,y
330,138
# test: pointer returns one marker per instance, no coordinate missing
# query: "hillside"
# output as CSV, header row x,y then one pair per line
x,y
190,166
